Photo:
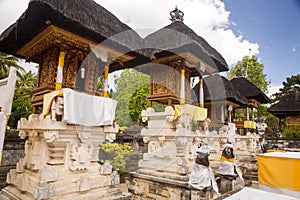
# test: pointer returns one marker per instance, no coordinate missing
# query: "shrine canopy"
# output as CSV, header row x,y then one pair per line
x,y
288,109
254,95
87,21
177,39
217,89
178,54
220,98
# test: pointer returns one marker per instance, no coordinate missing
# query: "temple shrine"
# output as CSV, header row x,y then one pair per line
x,y
73,48
61,150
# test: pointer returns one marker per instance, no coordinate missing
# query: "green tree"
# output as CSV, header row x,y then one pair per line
x,y
26,83
252,70
138,102
291,84
115,154
21,106
126,86
7,61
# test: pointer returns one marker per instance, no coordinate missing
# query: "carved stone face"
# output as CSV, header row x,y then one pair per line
x,y
228,152
202,159
60,103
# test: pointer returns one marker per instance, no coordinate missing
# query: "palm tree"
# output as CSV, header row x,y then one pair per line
x,y
26,83
7,61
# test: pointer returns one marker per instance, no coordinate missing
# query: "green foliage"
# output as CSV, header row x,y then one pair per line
x,y
131,83
117,152
252,70
138,102
291,84
21,106
292,131
26,83
6,61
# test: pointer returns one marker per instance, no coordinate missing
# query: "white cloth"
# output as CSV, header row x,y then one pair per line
x,y
202,177
229,168
88,110
2,131
7,90
231,132
203,149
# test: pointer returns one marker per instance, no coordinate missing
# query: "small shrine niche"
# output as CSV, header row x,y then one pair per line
x,y
80,65
165,83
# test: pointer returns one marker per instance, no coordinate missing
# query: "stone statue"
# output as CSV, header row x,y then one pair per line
x,y
228,171
57,109
202,176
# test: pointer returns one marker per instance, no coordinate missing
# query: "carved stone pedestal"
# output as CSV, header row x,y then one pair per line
x,y
61,163
164,170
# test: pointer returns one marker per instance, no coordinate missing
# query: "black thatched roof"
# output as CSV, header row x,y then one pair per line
x,y
248,89
290,104
218,88
177,38
83,17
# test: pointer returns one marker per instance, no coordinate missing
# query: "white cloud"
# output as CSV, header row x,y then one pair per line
x,y
294,49
273,89
208,18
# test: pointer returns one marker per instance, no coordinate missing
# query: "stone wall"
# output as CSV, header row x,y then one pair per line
x,y
13,151
292,144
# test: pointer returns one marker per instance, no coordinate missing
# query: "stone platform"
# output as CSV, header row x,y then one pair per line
x,y
61,163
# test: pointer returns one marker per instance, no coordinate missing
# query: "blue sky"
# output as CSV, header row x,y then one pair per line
x,y
275,26
271,28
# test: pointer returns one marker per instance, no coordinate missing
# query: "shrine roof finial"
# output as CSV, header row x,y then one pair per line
x,y
176,15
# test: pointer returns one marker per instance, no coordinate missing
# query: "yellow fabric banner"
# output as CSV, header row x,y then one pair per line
x,y
48,98
249,124
197,113
279,171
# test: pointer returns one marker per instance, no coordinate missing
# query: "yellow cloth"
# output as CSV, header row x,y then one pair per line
x,y
197,113
275,150
280,172
249,124
223,158
48,98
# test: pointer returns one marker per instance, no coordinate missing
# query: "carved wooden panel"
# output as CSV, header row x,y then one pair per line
x,y
92,73
166,80
48,67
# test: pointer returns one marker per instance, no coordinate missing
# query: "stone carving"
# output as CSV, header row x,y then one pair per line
x,y
146,113
115,178
48,174
85,183
184,122
240,144
33,156
43,191
57,109
203,126
50,136
80,157
20,168
106,168
212,139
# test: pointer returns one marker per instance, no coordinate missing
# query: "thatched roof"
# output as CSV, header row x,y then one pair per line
x,y
177,38
248,89
290,104
218,88
83,17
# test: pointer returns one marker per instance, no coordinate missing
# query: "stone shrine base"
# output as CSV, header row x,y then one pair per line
x,y
159,187
61,163
107,193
